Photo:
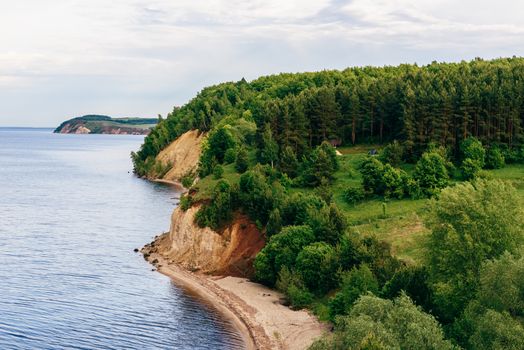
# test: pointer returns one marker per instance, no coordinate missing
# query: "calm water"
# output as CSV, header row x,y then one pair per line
x,y
71,214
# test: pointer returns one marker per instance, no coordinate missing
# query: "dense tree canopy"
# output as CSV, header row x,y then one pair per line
x,y
470,223
440,102
375,323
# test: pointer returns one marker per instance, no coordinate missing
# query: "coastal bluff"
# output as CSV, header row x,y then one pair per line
x,y
101,124
217,264
230,251
181,155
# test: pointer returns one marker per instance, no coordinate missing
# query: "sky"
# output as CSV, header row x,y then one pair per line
x,y
65,58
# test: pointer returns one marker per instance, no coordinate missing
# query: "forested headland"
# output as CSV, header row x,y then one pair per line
x,y
442,103
102,124
391,199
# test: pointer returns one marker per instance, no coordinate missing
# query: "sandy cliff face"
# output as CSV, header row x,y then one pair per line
x,y
74,129
183,155
230,251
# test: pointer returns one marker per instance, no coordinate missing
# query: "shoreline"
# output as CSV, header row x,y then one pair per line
x,y
187,279
255,311
176,184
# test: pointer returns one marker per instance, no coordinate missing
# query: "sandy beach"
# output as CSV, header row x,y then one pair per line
x,y
255,310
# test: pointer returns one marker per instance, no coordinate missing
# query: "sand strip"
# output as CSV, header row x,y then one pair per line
x,y
256,311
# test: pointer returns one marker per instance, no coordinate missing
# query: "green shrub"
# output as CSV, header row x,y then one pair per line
x,y
355,283
470,168
496,330
519,158
286,278
214,149
320,165
274,223
413,280
393,182
297,208
431,173
353,195
470,223
218,172
349,251
412,188
288,162
185,202
242,161
290,283
219,209
383,179
281,250
267,150
258,195
471,148
324,191
379,324
187,180
502,284
328,224
499,301
372,170
392,153
317,264
377,255
220,141
230,155
207,161
494,158
299,297
160,169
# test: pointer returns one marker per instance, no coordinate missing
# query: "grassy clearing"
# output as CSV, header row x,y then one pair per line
x,y
402,226
205,186
513,173
362,149
406,234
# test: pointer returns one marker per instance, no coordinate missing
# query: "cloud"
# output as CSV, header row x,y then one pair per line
x,y
132,57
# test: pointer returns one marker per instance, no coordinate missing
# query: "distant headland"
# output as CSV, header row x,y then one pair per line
x,y
101,124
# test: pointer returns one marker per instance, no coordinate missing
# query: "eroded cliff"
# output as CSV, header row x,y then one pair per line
x,y
182,155
230,251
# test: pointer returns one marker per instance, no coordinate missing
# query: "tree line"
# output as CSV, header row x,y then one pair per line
x,y
444,103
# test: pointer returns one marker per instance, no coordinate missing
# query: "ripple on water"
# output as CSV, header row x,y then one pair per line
x,y
70,217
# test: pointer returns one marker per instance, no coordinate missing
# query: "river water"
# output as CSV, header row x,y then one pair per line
x,y
71,213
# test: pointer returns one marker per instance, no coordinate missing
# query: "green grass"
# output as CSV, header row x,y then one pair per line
x,y
361,149
513,173
205,186
402,226
320,307
405,232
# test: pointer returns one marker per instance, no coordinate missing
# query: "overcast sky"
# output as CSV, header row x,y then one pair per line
x,y
65,58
